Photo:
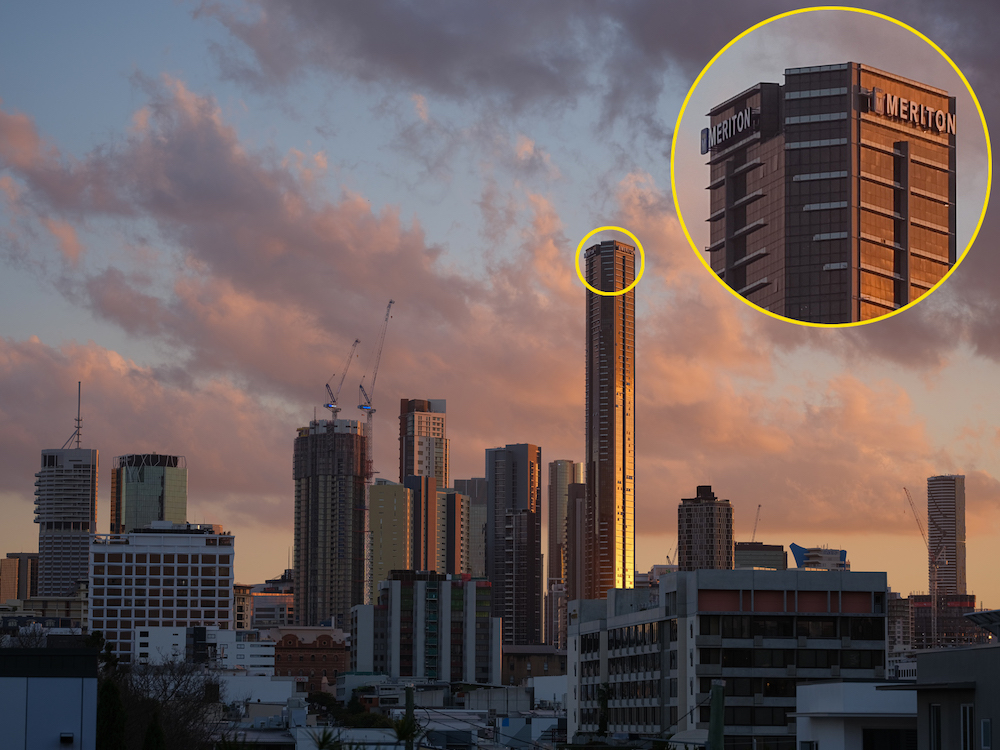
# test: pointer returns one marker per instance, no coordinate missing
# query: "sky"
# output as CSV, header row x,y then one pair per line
x,y
202,205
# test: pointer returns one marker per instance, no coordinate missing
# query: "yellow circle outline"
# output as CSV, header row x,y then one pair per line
x,y
677,130
642,261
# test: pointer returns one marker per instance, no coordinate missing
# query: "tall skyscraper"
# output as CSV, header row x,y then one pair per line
x,y
705,532
424,527
513,539
147,487
423,440
610,419
330,460
391,519
946,532
477,493
562,474
833,196
66,514
577,543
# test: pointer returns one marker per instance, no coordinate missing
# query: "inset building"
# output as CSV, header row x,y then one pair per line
x,y
821,558
833,195
66,514
391,515
147,487
705,532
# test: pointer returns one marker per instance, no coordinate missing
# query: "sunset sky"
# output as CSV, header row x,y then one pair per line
x,y
203,205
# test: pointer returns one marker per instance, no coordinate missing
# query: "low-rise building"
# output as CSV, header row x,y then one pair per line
x,y
221,649
522,662
848,714
645,665
313,655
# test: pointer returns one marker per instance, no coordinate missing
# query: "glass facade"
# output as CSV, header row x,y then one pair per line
x,y
147,487
836,202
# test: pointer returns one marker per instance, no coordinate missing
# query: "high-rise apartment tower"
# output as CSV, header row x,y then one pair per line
x,y
423,440
705,532
331,544
946,532
66,514
513,539
610,420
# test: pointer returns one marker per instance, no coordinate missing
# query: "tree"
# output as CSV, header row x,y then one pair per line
x,y
326,740
155,738
110,717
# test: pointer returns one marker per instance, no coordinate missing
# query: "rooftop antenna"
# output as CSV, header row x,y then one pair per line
x,y
79,421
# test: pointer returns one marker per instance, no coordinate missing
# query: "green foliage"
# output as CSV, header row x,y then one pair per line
x,y
407,728
326,740
110,717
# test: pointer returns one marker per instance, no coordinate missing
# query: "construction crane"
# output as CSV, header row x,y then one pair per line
x,y
366,397
933,556
753,537
332,406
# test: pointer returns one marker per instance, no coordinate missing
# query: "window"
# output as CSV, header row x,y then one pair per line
x,y
935,726
968,727
986,734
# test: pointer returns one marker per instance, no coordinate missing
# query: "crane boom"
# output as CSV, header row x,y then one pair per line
x,y
332,406
753,537
367,396
916,517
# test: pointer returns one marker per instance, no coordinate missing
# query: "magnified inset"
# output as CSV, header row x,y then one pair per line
x,y
831,194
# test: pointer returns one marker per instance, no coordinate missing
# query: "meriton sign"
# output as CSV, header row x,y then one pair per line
x,y
898,108
723,131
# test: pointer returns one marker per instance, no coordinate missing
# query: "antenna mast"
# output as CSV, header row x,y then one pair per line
x,y
79,421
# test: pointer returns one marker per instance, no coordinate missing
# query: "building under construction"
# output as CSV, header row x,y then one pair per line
x,y
331,543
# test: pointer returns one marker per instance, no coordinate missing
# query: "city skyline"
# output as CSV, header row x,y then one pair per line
x,y
212,299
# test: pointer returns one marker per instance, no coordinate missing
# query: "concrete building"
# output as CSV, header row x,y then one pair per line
x,y
948,620
513,537
847,714
273,602
423,440
577,541
832,197
555,614
170,575
476,491
761,631
242,606
760,555
609,420
66,514
957,691
48,698
562,473
390,521
74,607
210,646
429,626
19,573
523,662
147,487
454,528
331,541
820,558
946,533
705,532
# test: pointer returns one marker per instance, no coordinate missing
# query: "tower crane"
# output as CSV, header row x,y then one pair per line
x,y
933,555
753,537
366,397
332,406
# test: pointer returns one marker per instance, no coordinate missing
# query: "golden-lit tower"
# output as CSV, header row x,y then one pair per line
x,y
609,540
